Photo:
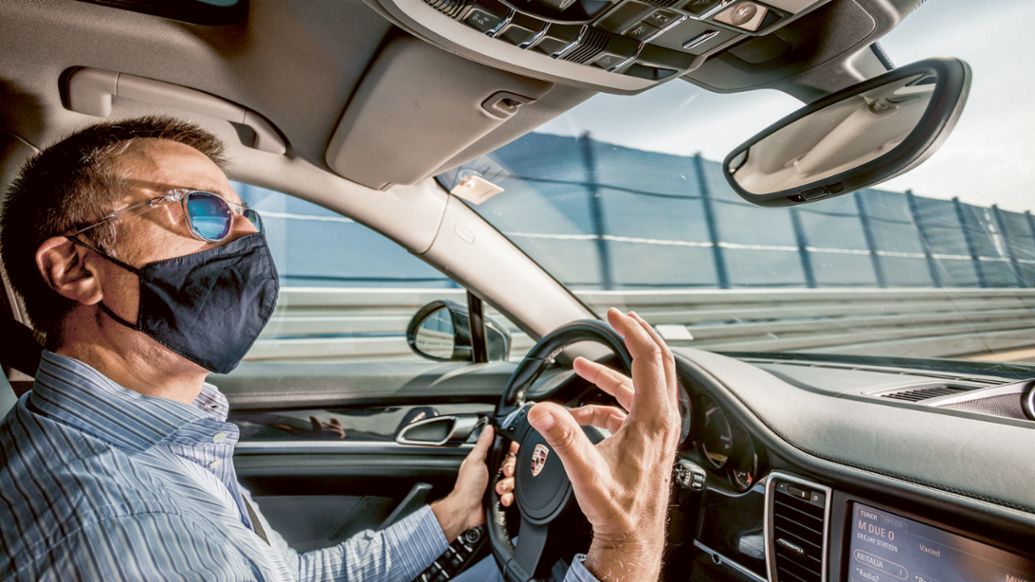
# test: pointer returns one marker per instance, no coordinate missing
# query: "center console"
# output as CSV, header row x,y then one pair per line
x,y
815,534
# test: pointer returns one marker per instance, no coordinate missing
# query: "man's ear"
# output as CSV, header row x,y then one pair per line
x,y
64,267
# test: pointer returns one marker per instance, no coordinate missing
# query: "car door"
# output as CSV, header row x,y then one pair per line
x,y
328,454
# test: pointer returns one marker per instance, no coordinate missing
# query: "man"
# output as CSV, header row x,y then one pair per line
x,y
140,266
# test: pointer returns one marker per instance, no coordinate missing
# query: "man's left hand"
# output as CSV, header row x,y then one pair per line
x,y
462,508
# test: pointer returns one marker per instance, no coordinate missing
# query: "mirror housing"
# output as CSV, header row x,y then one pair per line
x,y
441,331
852,139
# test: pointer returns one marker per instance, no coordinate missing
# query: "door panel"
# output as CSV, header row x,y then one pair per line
x,y
318,444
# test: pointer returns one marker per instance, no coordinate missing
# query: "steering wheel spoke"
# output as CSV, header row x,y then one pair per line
x,y
530,552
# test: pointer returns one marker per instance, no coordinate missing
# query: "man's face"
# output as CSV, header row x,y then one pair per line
x,y
151,168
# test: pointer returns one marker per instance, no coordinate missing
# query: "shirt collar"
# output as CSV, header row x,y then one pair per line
x,y
74,392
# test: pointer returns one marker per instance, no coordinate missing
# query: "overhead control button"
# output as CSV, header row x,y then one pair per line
x,y
610,61
642,32
482,21
522,30
702,7
663,18
623,16
557,39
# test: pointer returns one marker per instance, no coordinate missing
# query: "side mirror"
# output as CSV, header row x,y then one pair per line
x,y
441,331
854,138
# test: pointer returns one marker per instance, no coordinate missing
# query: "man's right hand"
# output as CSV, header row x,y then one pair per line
x,y
622,483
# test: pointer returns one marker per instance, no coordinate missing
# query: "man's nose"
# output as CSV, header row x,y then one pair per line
x,y
240,226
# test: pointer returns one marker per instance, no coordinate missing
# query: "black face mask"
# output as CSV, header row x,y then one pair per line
x,y
208,307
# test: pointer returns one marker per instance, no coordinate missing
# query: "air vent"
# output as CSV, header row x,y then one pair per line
x,y
926,393
796,529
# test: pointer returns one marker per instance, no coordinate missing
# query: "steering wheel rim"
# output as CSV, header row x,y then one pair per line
x,y
543,495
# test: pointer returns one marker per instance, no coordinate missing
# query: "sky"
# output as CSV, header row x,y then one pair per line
x,y
988,159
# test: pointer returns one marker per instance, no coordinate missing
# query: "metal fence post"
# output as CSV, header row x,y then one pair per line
x,y
803,250
871,241
596,211
1000,225
914,214
721,274
971,247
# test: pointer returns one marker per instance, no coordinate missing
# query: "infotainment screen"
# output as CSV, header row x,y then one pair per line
x,y
889,548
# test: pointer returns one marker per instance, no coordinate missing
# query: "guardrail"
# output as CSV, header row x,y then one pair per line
x,y
364,324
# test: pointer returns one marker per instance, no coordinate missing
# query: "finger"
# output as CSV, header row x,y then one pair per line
x,y
613,382
481,447
508,467
562,432
648,369
514,447
505,486
667,358
315,423
609,417
507,499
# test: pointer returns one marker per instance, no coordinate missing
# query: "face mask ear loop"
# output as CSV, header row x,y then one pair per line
x,y
107,310
106,256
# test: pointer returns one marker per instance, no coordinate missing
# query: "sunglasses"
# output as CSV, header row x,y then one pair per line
x,y
209,215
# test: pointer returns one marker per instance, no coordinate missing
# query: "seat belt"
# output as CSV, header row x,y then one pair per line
x,y
256,524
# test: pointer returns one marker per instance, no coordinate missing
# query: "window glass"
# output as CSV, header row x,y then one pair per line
x,y
347,292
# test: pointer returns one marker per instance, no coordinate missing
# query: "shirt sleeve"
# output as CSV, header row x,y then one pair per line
x,y
578,572
398,552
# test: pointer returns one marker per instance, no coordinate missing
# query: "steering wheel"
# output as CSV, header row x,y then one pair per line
x,y
549,514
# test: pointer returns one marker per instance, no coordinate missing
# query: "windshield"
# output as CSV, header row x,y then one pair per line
x,y
623,200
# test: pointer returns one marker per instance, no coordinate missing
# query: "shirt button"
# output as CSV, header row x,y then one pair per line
x,y
219,437
215,464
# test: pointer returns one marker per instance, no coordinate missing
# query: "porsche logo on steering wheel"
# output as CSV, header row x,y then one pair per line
x,y
539,455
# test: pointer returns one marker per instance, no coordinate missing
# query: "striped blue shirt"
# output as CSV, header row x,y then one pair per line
x,y
99,482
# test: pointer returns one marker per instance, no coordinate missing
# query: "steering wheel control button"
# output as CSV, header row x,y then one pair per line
x,y
473,535
515,426
689,476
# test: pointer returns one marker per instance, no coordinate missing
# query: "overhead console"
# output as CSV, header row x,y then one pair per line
x,y
618,46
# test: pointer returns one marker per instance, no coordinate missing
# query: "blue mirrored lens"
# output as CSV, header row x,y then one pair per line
x,y
254,217
209,215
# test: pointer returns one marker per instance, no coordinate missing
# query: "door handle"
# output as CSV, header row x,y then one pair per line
x,y
438,431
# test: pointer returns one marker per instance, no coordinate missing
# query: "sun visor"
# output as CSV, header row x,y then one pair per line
x,y
417,108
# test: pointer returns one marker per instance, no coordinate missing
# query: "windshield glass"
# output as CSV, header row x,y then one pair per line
x,y
623,200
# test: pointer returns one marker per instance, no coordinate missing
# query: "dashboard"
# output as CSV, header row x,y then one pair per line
x,y
795,497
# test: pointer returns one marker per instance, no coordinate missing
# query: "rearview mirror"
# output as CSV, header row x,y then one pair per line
x,y
854,138
441,330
